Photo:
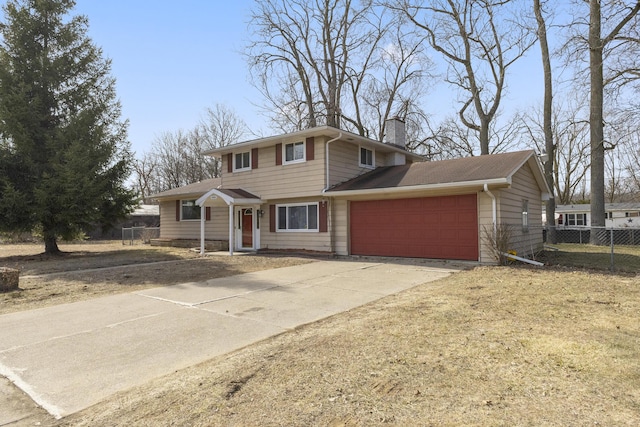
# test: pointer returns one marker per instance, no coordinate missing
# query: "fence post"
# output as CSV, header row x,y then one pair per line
x,y
612,257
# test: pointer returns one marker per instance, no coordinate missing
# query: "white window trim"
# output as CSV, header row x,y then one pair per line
x,y
182,211
306,230
237,169
373,158
284,153
574,218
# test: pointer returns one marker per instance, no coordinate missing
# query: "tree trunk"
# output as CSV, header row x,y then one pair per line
x,y
596,121
51,245
484,136
547,119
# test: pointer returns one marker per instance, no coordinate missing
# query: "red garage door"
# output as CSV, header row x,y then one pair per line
x,y
430,227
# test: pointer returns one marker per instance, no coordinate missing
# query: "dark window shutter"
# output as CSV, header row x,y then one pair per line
x,y
207,213
178,205
310,148
254,158
230,162
322,217
278,154
272,218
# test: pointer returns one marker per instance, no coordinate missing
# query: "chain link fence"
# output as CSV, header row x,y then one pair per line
x,y
614,249
143,235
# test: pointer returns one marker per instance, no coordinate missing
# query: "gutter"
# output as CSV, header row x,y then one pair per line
x,y
463,185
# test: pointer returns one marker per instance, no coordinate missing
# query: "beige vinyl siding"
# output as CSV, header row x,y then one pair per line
x,y
523,187
215,229
340,226
269,181
485,222
310,241
345,162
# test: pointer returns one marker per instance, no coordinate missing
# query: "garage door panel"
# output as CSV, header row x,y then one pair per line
x,y
431,227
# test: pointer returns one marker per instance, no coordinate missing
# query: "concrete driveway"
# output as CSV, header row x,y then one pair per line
x,y
69,357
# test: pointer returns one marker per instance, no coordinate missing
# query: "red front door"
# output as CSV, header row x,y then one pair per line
x,y
247,228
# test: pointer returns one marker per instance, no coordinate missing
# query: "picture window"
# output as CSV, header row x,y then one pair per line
x,y
190,210
303,217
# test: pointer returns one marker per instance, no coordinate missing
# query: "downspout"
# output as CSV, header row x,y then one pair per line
x,y
326,160
326,187
494,209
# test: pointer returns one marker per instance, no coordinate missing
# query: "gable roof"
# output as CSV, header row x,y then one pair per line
x,y
492,169
195,189
229,196
327,131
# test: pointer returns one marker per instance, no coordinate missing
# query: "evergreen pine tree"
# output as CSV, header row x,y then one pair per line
x,y
64,154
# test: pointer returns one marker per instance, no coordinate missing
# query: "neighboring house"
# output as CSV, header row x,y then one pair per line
x,y
618,215
332,191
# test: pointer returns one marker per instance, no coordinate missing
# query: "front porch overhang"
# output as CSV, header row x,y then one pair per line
x,y
230,197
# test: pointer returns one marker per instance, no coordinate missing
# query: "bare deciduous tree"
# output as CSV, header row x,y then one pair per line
x,y
176,158
480,40
452,139
342,63
611,36
622,169
571,152
221,126
144,171
613,39
549,146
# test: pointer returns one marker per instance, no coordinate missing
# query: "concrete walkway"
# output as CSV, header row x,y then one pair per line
x,y
69,357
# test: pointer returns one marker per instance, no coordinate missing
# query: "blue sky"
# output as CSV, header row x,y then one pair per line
x,y
173,59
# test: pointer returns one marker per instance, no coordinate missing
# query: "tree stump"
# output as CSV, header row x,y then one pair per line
x,y
9,278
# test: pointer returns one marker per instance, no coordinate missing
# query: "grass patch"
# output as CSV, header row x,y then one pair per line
x,y
625,258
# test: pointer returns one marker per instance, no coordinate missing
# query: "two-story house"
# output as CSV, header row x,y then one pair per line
x,y
328,190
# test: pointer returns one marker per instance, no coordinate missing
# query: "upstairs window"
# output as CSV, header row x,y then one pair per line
x,y
189,210
242,161
294,152
367,158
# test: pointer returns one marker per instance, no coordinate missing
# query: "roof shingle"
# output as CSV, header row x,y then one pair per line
x,y
467,169
197,188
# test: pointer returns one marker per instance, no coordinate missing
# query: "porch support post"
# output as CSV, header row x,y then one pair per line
x,y
202,223
231,225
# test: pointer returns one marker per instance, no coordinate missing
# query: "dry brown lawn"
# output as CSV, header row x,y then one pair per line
x,y
492,346
503,346
91,270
